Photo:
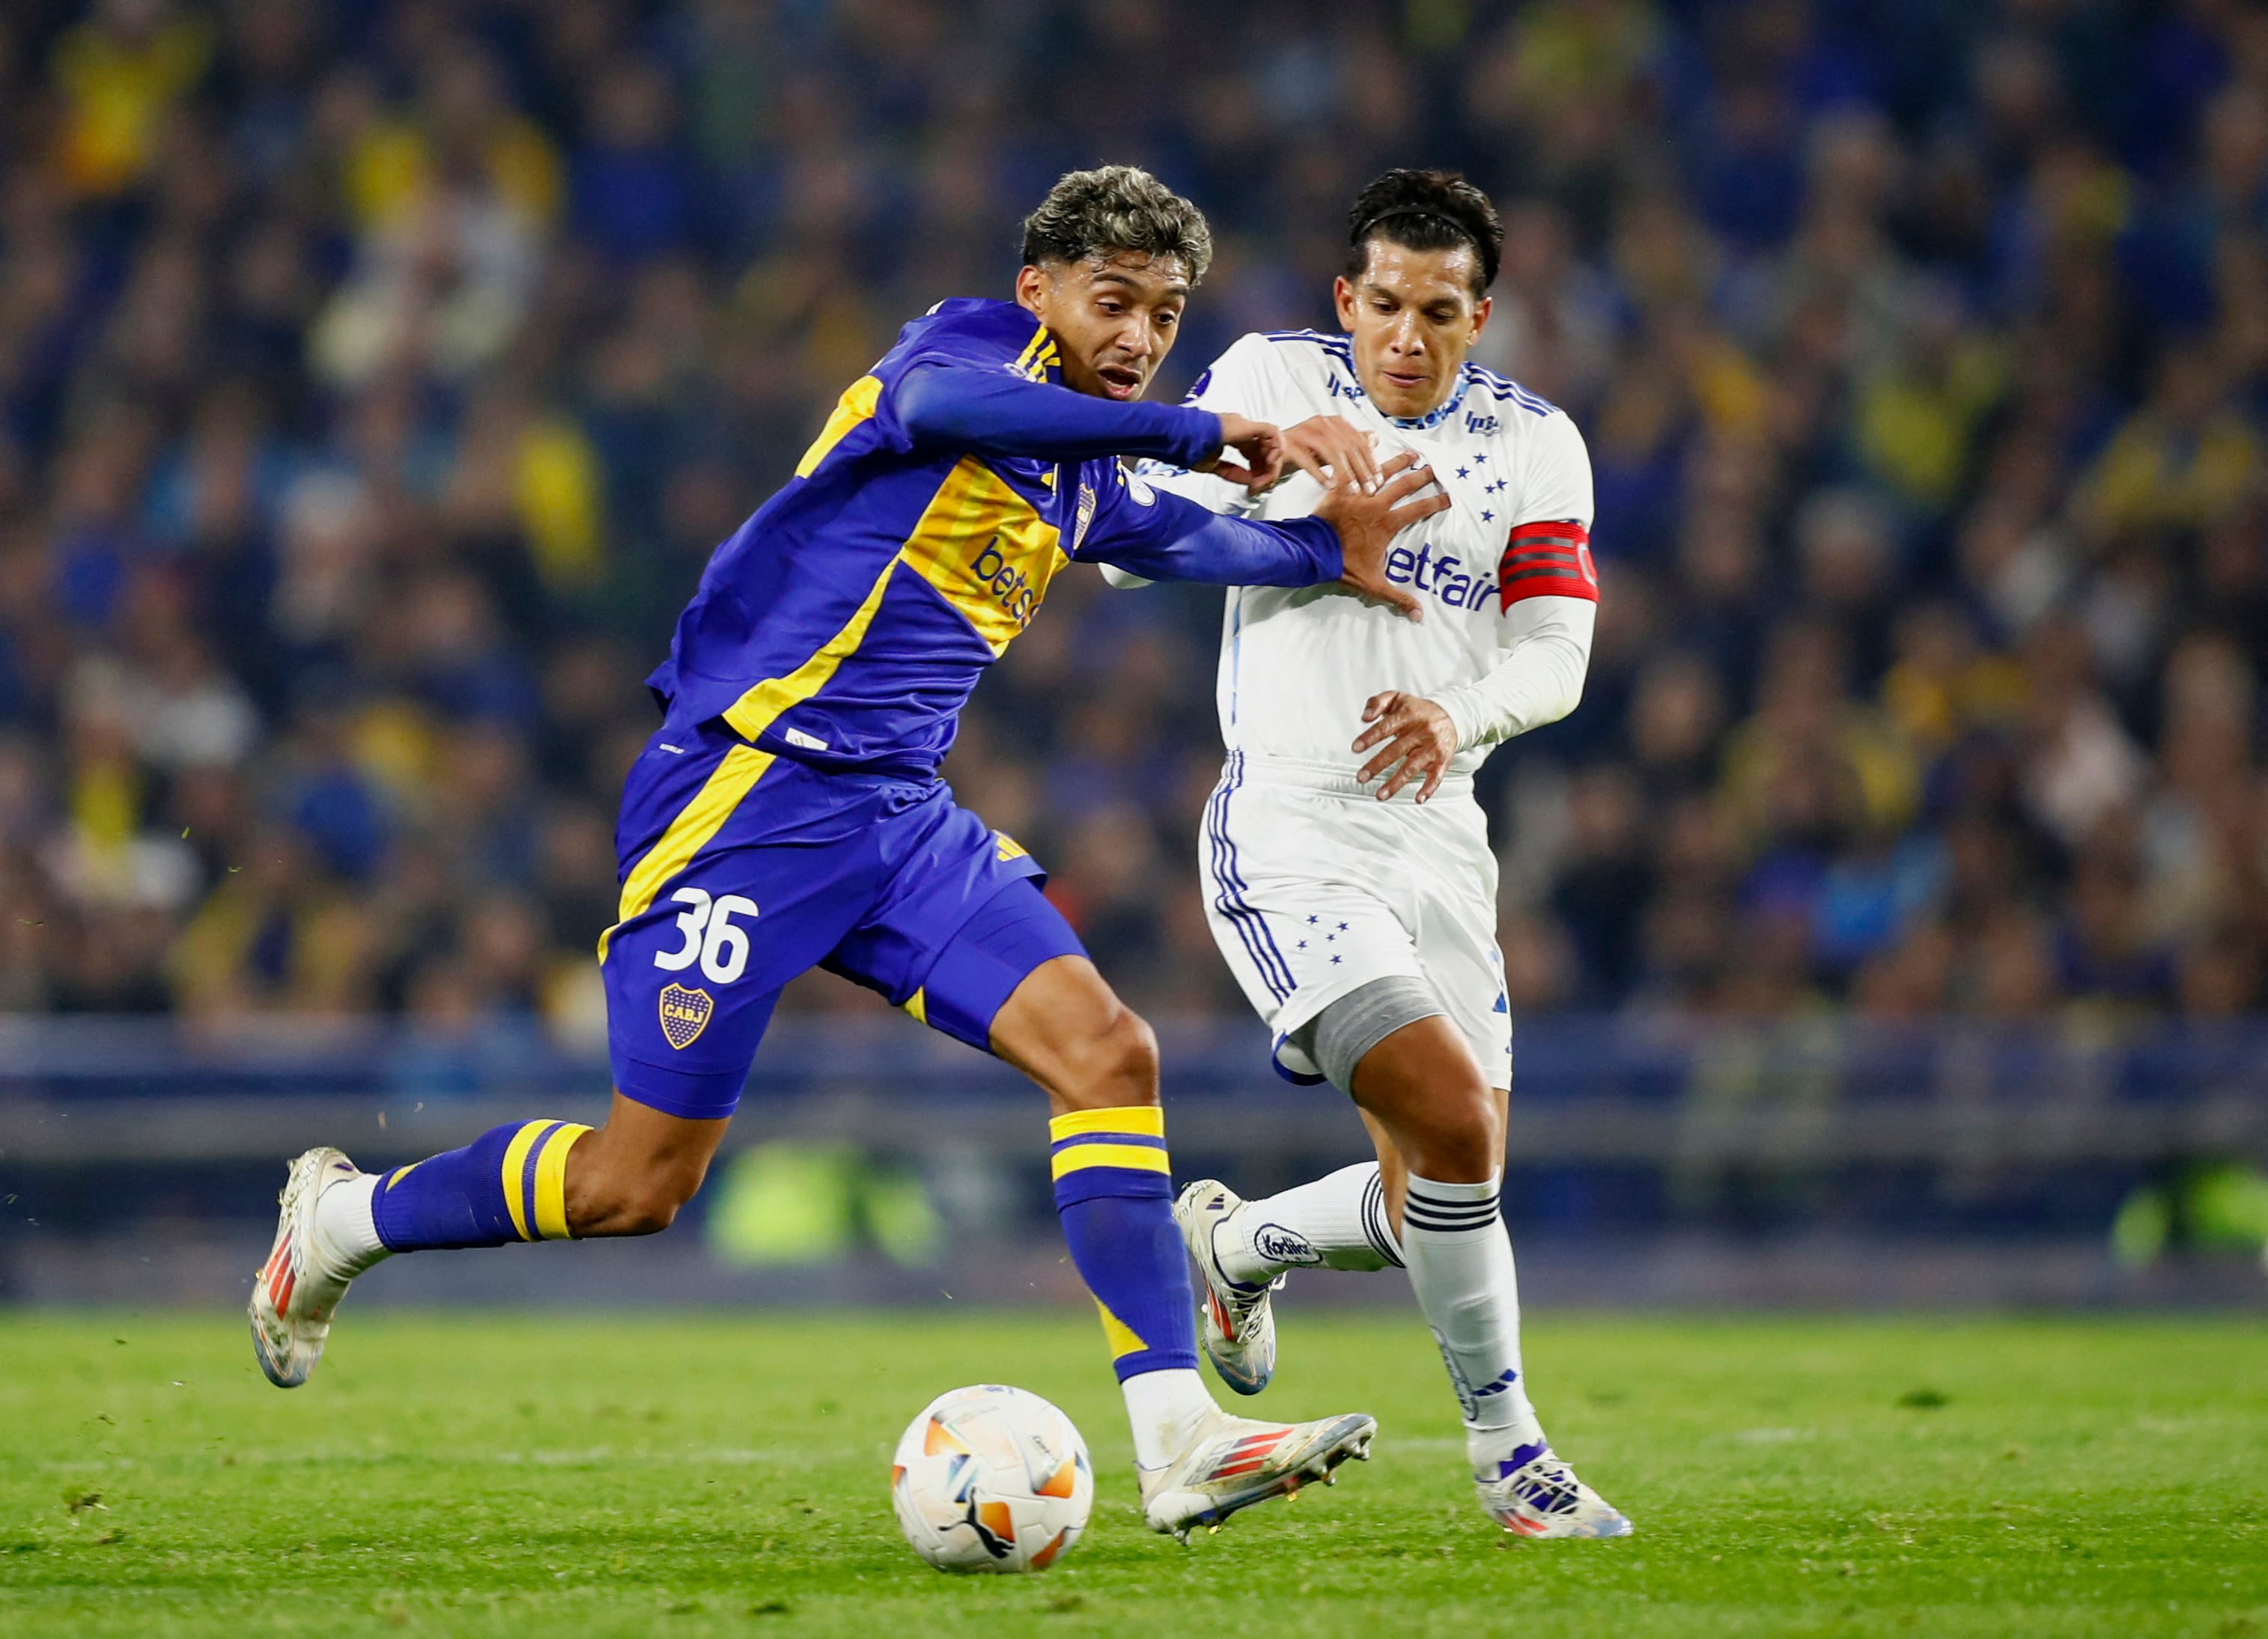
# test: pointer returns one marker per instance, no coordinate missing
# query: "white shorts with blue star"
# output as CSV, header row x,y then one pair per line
x,y
1314,888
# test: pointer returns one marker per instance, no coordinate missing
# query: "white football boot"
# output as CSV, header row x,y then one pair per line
x,y
296,1292
1240,1322
1233,1462
1534,1493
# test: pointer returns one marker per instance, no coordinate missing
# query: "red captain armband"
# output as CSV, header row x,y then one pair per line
x,y
1552,560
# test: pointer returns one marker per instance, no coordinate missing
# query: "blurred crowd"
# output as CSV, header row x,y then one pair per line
x,y
376,378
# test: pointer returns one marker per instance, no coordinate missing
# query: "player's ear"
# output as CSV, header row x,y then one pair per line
x,y
1032,287
1343,299
1481,316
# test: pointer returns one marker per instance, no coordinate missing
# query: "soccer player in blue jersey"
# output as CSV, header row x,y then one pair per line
x,y
788,813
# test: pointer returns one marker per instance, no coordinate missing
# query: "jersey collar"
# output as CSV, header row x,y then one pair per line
x,y
1432,418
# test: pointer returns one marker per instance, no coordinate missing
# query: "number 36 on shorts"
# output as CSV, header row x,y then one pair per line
x,y
712,936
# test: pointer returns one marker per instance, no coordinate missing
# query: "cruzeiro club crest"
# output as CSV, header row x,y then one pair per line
x,y
684,1014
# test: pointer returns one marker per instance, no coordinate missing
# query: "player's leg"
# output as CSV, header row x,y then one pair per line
x,y
1348,1220
690,991
1295,902
1014,980
520,1182
1421,1085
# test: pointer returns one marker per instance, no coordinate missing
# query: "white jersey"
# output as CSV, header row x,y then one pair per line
x,y
1508,563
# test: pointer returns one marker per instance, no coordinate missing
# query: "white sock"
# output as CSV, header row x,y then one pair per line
x,y
1165,1408
346,1233
1461,1265
1338,1221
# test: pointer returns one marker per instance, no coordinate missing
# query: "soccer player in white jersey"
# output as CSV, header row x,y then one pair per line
x,y
1348,876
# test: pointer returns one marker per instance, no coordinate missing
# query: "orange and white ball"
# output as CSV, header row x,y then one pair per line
x,y
991,1479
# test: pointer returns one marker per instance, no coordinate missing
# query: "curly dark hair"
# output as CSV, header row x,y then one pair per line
x,y
1425,210
1116,208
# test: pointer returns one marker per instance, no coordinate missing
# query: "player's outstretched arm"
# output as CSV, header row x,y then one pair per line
x,y
987,411
1163,537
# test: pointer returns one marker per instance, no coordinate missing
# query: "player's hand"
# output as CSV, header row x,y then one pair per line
x,y
1413,733
1260,443
1368,520
1330,449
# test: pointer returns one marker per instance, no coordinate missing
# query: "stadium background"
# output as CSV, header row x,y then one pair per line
x,y
375,378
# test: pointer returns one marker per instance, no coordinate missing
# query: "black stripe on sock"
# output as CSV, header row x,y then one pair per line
x,y
1434,1212
1453,1200
1374,1227
1444,1226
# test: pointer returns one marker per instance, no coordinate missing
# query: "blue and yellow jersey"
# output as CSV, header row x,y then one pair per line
x,y
845,624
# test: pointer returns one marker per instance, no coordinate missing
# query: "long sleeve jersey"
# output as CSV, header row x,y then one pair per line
x,y
1505,575
846,623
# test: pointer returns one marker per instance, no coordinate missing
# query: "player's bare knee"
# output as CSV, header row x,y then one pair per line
x,y
1112,1064
1458,1136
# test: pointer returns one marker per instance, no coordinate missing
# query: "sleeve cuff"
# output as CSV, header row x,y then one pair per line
x,y
1465,716
1330,557
1196,433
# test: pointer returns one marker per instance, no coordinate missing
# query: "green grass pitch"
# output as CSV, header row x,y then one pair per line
x,y
636,1474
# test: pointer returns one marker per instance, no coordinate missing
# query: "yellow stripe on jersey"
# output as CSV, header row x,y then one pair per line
x,y
515,1169
1027,361
734,776
986,551
1122,1338
916,1005
1140,1120
756,711
741,766
551,1182
1133,1158
855,408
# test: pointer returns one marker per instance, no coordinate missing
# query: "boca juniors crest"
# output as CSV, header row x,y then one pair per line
x,y
684,1014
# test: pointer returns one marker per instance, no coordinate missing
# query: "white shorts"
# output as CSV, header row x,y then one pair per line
x,y
1314,888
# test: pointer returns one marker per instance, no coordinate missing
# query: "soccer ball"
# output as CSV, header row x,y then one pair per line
x,y
992,1478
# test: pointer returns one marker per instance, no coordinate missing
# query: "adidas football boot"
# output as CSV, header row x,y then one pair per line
x,y
1240,1322
1233,1462
296,1292
1533,1494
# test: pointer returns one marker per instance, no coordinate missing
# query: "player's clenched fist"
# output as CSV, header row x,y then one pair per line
x,y
1368,520
1411,731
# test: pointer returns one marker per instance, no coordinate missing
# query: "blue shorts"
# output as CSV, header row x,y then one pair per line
x,y
742,869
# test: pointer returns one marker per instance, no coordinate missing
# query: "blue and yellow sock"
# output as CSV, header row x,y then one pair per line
x,y
1113,1191
508,1184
